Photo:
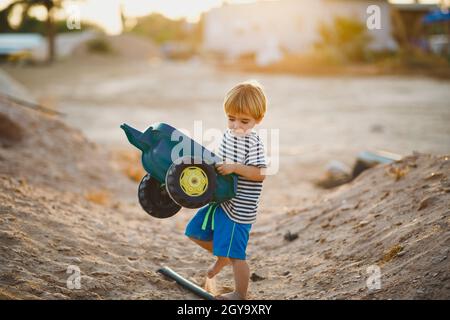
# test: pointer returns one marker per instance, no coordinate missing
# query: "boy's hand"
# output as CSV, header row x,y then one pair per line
x,y
225,168
249,172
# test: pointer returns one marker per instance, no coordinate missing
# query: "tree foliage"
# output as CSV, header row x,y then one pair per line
x,y
347,39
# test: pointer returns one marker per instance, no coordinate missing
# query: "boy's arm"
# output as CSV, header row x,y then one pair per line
x,y
249,172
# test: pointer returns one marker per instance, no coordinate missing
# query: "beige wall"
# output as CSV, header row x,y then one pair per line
x,y
236,29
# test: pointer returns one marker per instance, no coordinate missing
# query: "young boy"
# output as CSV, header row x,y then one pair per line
x,y
225,230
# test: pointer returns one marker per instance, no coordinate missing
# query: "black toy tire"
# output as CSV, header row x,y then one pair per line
x,y
175,190
154,199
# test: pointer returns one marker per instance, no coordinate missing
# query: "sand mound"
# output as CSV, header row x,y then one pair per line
x,y
44,150
395,218
63,208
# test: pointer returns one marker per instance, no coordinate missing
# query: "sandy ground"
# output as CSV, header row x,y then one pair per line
x,y
65,204
319,119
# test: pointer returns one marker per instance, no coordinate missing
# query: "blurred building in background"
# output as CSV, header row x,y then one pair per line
x,y
268,28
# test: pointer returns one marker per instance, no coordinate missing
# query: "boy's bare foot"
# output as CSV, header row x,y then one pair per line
x,y
230,296
217,266
210,285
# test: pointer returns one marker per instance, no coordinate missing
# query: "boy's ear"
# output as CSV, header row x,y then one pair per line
x,y
258,121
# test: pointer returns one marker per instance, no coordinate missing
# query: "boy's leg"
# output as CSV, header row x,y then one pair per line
x,y
195,232
204,244
241,278
230,240
217,266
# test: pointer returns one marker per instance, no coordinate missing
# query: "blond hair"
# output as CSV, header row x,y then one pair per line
x,y
246,98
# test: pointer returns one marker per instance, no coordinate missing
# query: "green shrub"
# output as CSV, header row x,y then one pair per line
x,y
100,46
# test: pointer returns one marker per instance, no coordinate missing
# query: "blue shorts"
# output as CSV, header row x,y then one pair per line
x,y
229,238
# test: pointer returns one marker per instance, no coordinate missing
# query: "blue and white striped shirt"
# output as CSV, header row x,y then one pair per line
x,y
247,150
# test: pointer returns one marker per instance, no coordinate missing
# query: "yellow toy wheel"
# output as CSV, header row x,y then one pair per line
x,y
191,182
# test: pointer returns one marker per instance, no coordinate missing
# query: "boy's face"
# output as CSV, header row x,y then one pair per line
x,y
241,124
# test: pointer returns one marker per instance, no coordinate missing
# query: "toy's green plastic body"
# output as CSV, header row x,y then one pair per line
x,y
158,143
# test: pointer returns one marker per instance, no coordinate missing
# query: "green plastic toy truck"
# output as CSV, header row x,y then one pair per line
x,y
180,171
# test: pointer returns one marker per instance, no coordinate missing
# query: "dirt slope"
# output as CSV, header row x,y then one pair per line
x,y
63,203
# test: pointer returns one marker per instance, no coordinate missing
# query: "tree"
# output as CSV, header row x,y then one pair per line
x,y
345,37
49,5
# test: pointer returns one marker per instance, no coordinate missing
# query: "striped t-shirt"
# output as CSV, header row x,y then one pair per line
x,y
247,150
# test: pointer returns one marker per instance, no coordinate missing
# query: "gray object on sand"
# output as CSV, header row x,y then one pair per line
x,y
186,283
369,159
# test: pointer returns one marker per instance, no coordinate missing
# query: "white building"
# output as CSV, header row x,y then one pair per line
x,y
267,26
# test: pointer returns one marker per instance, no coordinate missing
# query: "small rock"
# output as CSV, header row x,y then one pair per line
x,y
363,223
385,195
254,277
438,259
376,128
336,174
286,273
100,274
401,253
434,175
116,205
427,202
290,236
74,259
